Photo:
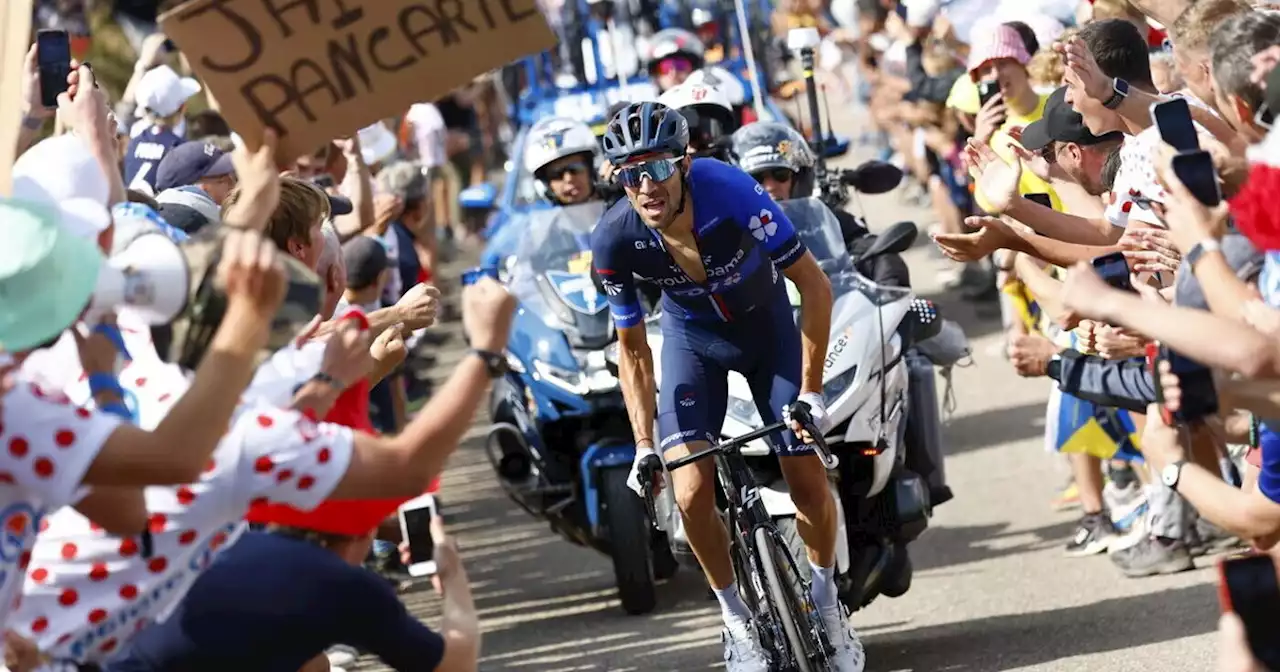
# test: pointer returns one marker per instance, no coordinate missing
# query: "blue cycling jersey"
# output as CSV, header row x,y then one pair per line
x,y
741,233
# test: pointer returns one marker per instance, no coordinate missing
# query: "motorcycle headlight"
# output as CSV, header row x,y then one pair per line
x,y
744,411
572,381
837,386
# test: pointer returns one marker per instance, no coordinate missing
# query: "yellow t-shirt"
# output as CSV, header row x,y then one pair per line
x,y
1002,144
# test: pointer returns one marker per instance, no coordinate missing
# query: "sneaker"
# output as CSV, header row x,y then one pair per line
x,y
1093,536
1205,538
743,653
848,654
1068,497
1152,556
1128,505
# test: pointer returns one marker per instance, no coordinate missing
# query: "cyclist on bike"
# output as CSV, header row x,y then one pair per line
x,y
780,159
710,116
715,243
560,154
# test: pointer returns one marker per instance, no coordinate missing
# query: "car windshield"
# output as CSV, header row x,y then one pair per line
x,y
819,230
557,239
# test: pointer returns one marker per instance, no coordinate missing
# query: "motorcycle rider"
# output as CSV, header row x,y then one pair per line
x,y
560,153
710,116
714,242
780,159
674,53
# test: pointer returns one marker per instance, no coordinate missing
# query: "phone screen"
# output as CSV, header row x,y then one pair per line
x,y
1041,197
1114,269
1195,169
1250,589
987,91
1173,117
53,57
415,527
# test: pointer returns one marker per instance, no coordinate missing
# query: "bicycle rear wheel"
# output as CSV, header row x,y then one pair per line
x,y
792,607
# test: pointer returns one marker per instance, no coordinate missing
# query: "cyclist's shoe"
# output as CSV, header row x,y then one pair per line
x,y
848,654
743,653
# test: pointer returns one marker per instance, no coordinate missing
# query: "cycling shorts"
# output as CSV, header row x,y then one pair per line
x,y
697,357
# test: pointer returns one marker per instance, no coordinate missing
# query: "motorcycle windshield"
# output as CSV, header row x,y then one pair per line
x,y
555,248
819,230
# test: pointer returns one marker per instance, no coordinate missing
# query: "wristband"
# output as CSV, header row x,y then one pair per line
x,y
100,383
117,409
326,379
113,334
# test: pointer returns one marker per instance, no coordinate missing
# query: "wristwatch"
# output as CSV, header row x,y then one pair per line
x,y
1199,250
1172,473
1054,368
495,362
1119,90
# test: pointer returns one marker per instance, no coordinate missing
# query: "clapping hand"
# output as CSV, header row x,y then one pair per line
x,y
1149,250
992,234
996,178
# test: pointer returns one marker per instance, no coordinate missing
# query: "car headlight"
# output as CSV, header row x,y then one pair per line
x,y
744,411
837,386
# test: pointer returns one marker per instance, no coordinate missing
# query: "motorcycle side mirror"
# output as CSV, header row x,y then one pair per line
x,y
895,240
873,177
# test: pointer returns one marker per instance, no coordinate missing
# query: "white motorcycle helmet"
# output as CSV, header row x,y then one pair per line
x,y
714,75
712,121
553,139
676,42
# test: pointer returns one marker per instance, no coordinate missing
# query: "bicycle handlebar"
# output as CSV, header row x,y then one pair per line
x,y
799,413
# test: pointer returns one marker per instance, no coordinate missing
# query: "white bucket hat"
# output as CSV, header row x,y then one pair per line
x,y
377,143
62,173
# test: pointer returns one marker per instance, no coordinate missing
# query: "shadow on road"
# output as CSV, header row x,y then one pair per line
x,y
993,427
1016,641
958,545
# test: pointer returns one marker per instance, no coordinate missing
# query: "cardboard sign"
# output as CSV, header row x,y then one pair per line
x,y
14,41
318,69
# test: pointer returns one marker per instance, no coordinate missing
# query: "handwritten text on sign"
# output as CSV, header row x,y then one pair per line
x,y
315,69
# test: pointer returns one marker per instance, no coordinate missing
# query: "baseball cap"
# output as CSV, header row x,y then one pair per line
x,y
1061,123
365,259
1002,42
163,92
340,205
191,162
194,328
1243,258
188,208
62,173
47,274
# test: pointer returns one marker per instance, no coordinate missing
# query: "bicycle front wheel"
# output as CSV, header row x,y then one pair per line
x,y
792,607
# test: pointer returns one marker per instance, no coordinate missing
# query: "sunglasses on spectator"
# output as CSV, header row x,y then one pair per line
x,y
554,173
1050,153
658,170
775,174
674,65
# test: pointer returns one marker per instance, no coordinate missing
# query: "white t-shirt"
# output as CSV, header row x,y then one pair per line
x,y
1137,175
88,592
46,445
429,133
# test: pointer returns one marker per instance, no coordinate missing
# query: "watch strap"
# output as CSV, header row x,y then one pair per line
x,y
1117,96
1176,469
1054,368
495,362
1199,250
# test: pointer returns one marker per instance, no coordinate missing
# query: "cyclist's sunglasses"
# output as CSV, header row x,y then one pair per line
x,y
673,65
658,170
775,174
555,173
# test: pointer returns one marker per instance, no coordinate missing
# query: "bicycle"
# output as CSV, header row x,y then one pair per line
x,y
790,627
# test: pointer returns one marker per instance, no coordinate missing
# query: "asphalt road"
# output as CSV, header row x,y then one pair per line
x,y
993,590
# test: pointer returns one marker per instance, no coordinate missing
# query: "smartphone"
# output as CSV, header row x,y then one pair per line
x,y
987,90
1199,396
1248,586
415,528
53,60
1173,118
1114,269
1196,171
1040,197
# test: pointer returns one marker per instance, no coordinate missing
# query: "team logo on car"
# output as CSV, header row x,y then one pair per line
x,y
577,291
763,227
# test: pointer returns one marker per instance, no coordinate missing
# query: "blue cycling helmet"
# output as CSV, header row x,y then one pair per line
x,y
645,129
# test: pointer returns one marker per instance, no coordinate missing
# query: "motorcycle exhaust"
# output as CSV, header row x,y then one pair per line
x,y
509,452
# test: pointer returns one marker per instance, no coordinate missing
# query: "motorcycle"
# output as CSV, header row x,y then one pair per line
x,y
881,397
561,442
